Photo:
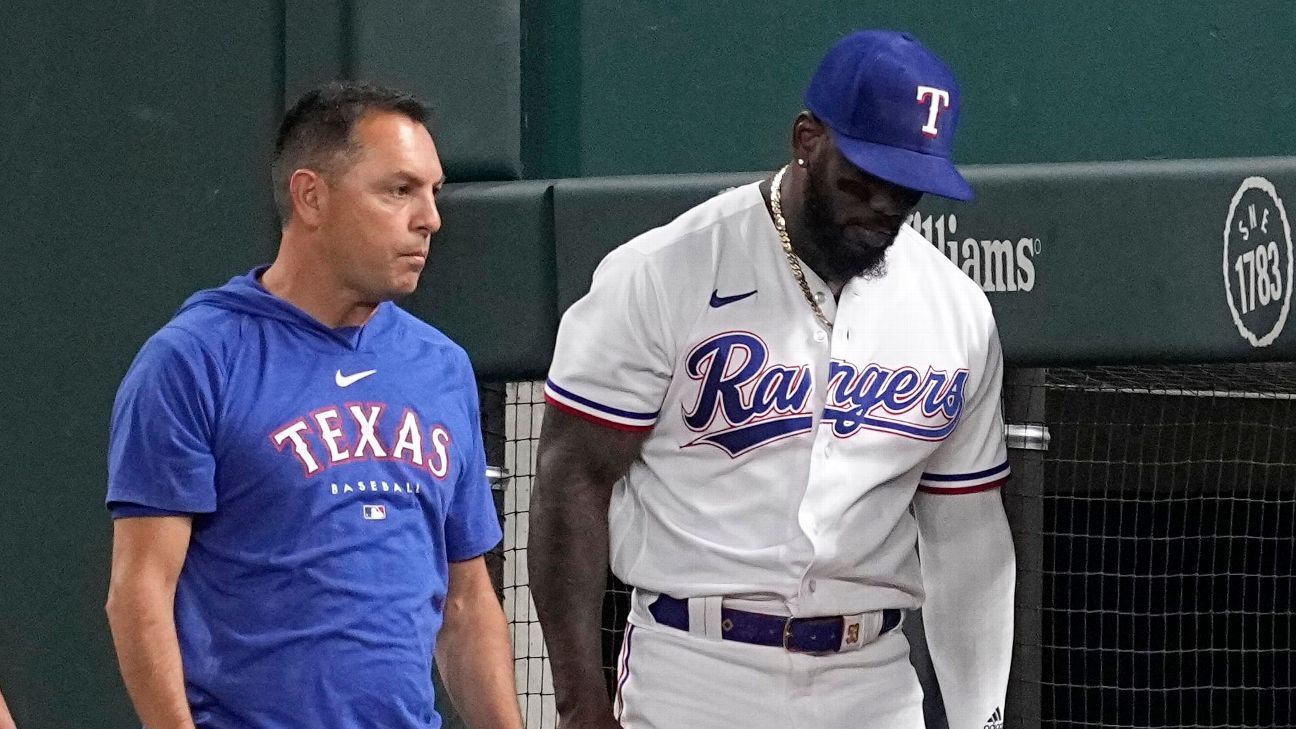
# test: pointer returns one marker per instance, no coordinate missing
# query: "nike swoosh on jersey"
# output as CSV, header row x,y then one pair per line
x,y
349,380
718,301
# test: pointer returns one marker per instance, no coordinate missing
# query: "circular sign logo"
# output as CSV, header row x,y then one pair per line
x,y
1258,261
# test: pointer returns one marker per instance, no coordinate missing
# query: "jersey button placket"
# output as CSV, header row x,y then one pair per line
x,y
809,524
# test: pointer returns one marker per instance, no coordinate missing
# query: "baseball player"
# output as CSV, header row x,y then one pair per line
x,y
779,415
296,471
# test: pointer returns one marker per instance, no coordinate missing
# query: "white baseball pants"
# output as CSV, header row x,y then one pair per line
x,y
672,679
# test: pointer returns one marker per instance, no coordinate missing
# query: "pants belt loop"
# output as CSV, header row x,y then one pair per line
x,y
697,616
704,617
714,621
874,622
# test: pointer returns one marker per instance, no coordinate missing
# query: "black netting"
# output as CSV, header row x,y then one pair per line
x,y
1169,516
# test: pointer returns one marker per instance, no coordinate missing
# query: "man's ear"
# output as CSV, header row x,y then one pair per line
x,y
809,136
308,191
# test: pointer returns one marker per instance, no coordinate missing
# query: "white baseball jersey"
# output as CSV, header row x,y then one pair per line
x,y
782,457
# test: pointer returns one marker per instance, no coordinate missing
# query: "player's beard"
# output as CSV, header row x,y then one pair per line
x,y
839,254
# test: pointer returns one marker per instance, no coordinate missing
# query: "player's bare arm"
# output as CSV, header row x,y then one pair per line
x,y
6,721
473,651
148,553
577,464
969,572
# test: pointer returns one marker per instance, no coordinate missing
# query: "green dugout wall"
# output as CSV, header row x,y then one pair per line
x,y
1175,261
669,86
133,150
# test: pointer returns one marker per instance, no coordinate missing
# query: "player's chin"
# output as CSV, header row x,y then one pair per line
x,y
851,261
403,283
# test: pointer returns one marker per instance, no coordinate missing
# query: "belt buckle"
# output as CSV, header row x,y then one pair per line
x,y
787,636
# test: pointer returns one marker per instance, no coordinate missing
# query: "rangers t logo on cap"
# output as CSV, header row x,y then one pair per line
x,y
864,91
939,100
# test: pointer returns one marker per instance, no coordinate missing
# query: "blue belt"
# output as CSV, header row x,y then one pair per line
x,y
799,635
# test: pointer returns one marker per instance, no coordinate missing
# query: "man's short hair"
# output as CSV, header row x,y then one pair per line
x,y
317,133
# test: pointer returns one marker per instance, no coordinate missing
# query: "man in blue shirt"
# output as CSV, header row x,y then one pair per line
x,y
296,471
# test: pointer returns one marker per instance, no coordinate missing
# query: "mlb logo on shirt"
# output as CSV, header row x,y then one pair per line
x,y
374,512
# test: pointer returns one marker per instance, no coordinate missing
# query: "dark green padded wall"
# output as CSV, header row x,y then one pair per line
x,y
1126,261
131,172
490,278
679,86
464,59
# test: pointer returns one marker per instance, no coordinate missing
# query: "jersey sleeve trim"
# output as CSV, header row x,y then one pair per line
x,y
598,413
964,483
594,419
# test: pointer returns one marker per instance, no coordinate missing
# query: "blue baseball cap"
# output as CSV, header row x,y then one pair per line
x,y
891,106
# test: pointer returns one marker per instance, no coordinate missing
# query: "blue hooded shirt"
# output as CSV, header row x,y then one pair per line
x,y
331,476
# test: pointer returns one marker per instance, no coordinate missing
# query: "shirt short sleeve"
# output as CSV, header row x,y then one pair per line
x,y
160,453
974,457
613,359
472,526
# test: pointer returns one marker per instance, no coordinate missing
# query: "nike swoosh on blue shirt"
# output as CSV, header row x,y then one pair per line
x,y
349,380
718,301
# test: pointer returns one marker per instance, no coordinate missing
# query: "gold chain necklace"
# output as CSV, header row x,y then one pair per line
x,y
781,226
